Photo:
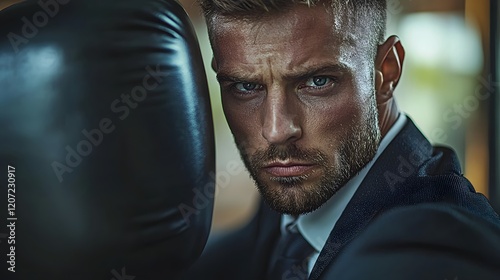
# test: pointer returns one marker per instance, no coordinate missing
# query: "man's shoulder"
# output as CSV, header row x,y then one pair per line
x,y
412,171
425,241
439,180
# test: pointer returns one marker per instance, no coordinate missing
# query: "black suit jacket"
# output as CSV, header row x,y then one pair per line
x,y
426,241
409,172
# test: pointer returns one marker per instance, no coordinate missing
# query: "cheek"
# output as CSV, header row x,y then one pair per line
x,y
243,126
234,120
335,118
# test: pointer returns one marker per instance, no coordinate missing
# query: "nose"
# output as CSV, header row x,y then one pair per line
x,y
280,120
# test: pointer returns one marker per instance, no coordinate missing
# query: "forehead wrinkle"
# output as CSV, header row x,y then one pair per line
x,y
241,74
264,33
270,67
256,28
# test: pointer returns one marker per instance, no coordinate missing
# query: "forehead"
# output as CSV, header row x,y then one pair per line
x,y
294,37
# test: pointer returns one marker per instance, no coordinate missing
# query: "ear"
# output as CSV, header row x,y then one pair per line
x,y
389,66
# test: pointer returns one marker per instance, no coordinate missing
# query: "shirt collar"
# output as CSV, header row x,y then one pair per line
x,y
317,225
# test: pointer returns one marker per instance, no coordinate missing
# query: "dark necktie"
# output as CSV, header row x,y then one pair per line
x,y
291,256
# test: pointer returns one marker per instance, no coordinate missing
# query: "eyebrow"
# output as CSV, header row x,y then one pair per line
x,y
301,74
316,70
230,78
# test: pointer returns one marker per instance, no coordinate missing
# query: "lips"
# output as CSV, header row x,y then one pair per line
x,y
288,169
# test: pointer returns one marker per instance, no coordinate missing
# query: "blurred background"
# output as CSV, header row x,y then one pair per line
x,y
447,89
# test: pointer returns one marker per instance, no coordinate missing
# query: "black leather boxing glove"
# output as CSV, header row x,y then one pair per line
x,y
107,135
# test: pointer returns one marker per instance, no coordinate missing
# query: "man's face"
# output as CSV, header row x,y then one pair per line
x,y
298,94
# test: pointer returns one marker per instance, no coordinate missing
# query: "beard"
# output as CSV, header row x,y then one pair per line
x,y
295,195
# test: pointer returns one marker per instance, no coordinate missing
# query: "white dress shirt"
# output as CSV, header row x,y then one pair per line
x,y
317,225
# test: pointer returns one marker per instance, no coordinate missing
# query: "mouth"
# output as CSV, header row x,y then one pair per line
x,y
288,169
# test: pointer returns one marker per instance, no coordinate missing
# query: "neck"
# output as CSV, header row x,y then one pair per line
x,y
388,114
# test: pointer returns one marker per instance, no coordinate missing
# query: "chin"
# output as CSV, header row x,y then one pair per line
x,y
290,195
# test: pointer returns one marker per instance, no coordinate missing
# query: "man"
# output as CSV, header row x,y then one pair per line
x,y
307,89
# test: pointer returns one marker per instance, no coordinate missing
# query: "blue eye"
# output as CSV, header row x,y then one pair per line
x,y
318,81
244,87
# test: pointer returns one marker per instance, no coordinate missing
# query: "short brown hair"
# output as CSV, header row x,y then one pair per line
x,y
373,11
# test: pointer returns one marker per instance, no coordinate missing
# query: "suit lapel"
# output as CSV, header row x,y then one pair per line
x,y
400,160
